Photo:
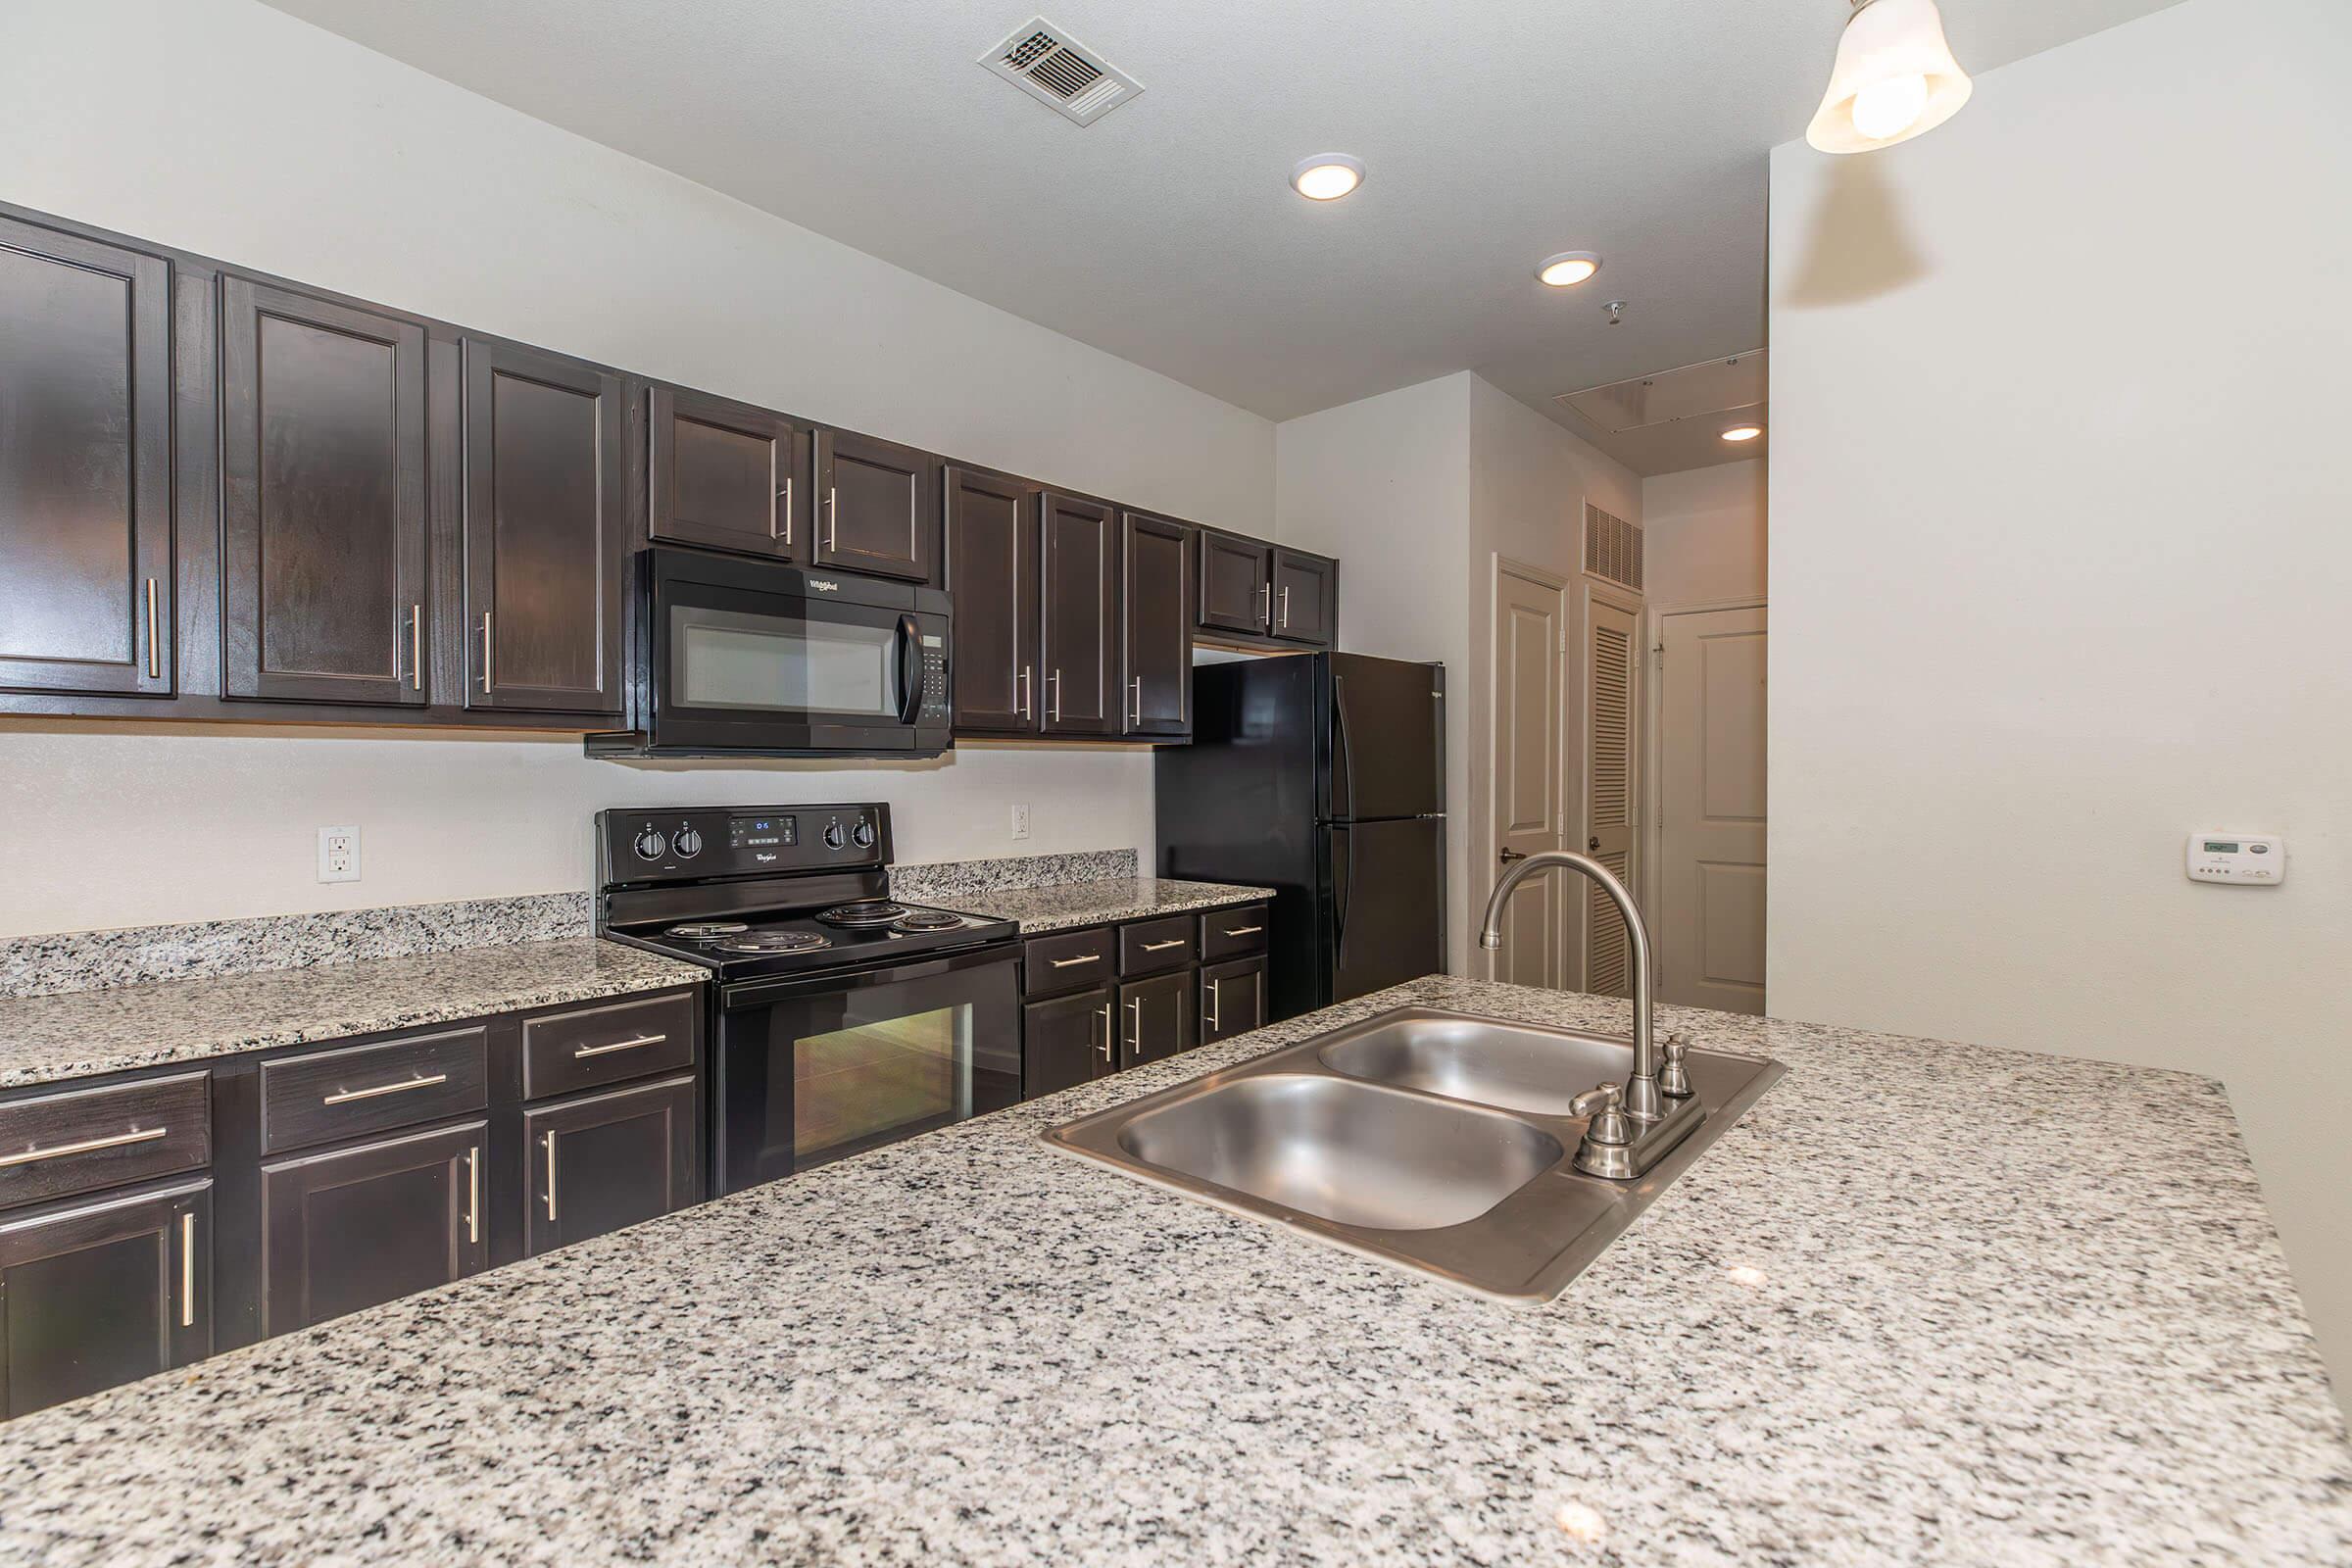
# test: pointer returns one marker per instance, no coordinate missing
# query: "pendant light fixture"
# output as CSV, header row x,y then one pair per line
x,y
1895,78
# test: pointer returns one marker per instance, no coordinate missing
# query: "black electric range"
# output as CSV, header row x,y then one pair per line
x,y
840,1020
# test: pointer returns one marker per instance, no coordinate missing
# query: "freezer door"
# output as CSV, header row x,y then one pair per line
x,y
1383,744
1387,903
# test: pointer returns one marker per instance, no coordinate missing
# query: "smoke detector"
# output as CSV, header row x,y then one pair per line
x,y
1064,75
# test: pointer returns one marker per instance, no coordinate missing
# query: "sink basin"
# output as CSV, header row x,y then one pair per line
x,y
1346,1151
1471,1059
1436,1141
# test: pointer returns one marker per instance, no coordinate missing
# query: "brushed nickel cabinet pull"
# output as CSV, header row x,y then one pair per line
x,y
1135,1011
1055,682
1071,964
1024,689
187,1268
618,1045
154,648
345,1096
1137,685
417,648
1243,930
550,1177
832,518
788,510
473,1194
485,650
1212,1004
88,1145
1163,947
1105,1011
1285,609
1267,589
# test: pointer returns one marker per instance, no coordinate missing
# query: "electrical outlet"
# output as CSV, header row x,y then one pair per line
x,y
1020,820
338,854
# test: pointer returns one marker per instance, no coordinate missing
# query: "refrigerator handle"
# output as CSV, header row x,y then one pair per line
x,y
1339,726
1346,899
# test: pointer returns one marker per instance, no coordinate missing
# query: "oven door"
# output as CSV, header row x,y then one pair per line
x,y
816,1069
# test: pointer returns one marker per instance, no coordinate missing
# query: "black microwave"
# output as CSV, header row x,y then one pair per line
x,y
736,658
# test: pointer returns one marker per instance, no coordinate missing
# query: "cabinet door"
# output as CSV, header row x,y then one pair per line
x,y
352,1227
1237,576
85,465
878,507
1065,1042
103,1293
545,534
1156,1018
1306,591
323,527
727,476
609,1160
1155,625
992,573
1080,649
1233,997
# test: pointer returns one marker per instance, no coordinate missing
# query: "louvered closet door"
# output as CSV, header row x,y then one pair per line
x,y
1612,794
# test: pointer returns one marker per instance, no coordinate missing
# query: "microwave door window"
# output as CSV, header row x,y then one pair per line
x,y
723,660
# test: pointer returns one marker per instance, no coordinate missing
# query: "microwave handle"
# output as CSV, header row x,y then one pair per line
x,y
911,669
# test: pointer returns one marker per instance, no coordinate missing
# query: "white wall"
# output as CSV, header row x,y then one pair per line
x,y
2060,560
305,155
1703,534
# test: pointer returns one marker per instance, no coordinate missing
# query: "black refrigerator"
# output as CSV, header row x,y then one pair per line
x,y
1322,776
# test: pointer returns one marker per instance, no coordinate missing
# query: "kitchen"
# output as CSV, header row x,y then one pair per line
x,y
1910,1302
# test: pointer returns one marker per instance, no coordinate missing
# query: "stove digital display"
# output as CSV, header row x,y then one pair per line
x,y
762,832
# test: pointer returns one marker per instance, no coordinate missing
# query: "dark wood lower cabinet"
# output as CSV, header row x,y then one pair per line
x,y
1156,1018
348,1228
1066,1041
103,1291
609,1160
1233,997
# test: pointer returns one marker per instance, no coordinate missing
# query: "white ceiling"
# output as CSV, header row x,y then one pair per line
x,y
1495,133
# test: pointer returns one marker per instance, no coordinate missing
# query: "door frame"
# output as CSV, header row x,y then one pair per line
x,y
1652,748
1497,564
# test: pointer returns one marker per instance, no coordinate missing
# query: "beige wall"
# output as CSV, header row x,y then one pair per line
x,y
305,155
1703,534
2059,572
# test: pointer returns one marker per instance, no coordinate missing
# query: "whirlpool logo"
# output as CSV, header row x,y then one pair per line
x,y
824,587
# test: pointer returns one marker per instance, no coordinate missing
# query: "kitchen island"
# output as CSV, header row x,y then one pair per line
x,y
1924,1303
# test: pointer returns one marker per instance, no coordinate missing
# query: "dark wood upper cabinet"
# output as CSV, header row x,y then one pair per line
x,y
609,1160
353,1227
1079,650
103,1293
1155,625
877,506
85,465
545,531
992,572
1306,595
727,476
325,531
1237,579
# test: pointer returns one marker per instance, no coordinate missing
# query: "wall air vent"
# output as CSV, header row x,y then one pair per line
x,y
1612,549
1065,76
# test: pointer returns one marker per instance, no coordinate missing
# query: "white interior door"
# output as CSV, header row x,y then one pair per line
x,y
1710,915
1612,787
1531,614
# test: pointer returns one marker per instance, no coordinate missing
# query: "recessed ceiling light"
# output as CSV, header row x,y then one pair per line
x,y
1744,432
1568,268
1326,177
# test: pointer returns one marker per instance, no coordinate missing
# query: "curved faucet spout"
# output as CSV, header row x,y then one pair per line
x,y
1643,1100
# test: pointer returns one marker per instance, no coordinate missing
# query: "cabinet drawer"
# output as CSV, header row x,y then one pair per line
x,y
1231,933
325,1095
1154,947
1068,961
586,1048
58,1145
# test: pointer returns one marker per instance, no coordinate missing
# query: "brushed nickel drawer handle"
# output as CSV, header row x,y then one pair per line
x,y
832,518
154,650
550,1177
1243,930
187,1269
788,510
1163,947
1071,964
88,1145
618,1045
473,1194
343,1097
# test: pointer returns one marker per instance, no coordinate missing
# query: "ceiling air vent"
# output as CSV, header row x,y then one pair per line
x,y
1066,77
1612,549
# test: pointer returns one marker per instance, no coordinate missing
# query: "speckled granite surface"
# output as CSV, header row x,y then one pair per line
x,y
90,960
2073,1343
1076,904
944,881
80,1033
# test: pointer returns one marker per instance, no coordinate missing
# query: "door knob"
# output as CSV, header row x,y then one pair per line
x,y
1508,856
1592,845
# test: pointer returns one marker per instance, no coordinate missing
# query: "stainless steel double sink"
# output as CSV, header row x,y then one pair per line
x,y
1434,1139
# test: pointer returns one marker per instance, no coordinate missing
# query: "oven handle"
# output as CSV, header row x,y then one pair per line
x,y
747,993
911,669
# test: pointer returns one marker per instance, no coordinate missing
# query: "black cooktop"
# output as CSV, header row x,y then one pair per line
x,y
803,941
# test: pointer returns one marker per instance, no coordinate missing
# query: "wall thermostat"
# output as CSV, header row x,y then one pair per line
x,y
2236,858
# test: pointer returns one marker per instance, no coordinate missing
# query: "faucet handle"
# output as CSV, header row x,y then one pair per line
x,y
1605,1106
1674,1079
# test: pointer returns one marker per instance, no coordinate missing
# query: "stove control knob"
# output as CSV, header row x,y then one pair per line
x,y
834,836
864,833
651,845
687,845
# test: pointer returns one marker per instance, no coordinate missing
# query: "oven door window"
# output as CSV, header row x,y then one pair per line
x,y
840,664
872,1082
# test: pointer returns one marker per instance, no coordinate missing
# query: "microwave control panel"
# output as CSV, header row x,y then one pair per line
x,y
935,681
693,842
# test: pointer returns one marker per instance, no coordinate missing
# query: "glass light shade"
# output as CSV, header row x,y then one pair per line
x,y
1326,177
1568,268
1894,78
1744,432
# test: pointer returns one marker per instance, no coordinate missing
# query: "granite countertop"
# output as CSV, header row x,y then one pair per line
x,y
79,1034
1098,902
1994,1309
